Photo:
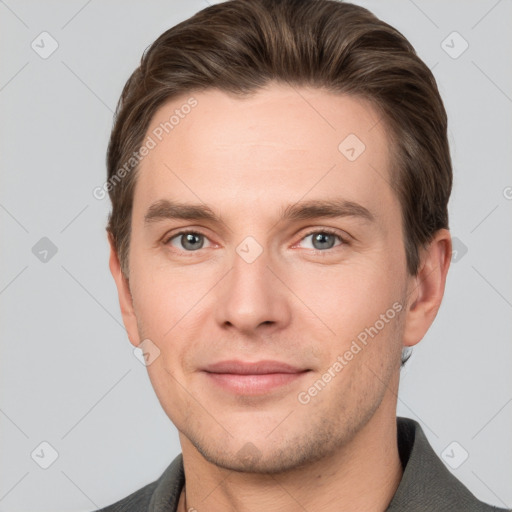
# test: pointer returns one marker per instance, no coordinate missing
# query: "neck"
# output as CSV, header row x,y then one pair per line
x,y
360,476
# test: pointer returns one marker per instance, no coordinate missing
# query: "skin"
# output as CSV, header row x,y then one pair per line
x,y
249,158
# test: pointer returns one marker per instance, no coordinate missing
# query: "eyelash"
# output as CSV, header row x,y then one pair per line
x,y
326,231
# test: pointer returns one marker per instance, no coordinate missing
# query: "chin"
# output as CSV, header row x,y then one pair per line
x,y
291,454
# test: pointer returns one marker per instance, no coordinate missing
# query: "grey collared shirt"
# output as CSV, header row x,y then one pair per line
x,y
426,485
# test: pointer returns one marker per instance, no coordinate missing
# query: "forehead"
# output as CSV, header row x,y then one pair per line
x,y
276,146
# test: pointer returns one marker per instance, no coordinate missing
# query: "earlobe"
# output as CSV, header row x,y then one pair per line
x,y
124,295
426,289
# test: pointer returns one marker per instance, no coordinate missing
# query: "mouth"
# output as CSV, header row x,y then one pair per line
x,y
252,378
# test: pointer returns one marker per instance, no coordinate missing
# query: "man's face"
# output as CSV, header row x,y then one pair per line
x,y
259,285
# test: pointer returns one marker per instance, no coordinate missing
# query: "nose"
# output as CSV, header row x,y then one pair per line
x,y
252,297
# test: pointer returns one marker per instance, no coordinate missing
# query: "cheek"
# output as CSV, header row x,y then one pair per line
x,y
347,298
171,310
157,308
164,298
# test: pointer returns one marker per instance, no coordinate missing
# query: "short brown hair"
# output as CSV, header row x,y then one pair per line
x,y
239,46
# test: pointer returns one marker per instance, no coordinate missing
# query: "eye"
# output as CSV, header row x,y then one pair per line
x,y
323,239
189,241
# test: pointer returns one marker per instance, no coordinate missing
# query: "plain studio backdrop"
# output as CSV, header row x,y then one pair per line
x,y
81,426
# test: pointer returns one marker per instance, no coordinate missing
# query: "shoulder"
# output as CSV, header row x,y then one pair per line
x,y
135,502
162,494
427,484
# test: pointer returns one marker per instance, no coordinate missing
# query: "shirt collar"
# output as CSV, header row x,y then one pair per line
x,y
426,482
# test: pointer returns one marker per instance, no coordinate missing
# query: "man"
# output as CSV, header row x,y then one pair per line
x,y
279,173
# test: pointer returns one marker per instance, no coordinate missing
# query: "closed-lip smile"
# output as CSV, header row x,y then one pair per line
x,y
252,378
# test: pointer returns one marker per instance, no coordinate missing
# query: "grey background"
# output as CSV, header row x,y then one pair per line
x,y
68,375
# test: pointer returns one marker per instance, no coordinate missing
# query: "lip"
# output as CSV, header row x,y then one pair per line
x,y
251,368
252,378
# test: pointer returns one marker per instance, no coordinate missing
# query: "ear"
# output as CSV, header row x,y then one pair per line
x,y
124,294
426,289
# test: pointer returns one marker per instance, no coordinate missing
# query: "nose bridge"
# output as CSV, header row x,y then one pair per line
x,y
250,278
251,295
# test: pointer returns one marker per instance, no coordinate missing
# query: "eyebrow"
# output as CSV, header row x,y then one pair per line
x,y
164,209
